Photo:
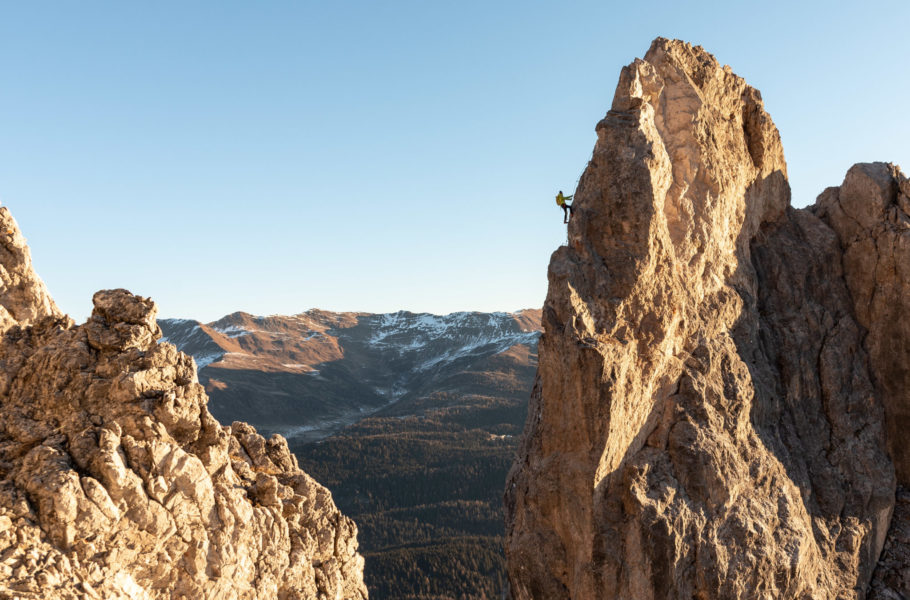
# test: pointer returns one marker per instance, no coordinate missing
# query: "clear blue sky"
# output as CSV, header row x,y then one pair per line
x,y
362,155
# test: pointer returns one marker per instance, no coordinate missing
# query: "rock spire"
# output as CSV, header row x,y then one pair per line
x,y
709,415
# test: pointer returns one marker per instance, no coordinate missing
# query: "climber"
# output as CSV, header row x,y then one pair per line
x,y
566,208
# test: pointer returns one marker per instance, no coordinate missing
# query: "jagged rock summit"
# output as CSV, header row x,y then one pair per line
x,y
723,379
116,482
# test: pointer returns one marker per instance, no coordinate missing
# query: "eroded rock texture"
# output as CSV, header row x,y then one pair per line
x,y
708,416
116,482
23,297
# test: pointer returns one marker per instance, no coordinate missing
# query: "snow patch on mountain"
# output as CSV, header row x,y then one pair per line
x,y
180,331
189,336
480,347
233,331
204,361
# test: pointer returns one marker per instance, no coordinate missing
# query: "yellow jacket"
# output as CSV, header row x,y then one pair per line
x,y
560,199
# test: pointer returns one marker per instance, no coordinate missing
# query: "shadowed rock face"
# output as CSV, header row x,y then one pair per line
x,y
870,212
116,482
708,415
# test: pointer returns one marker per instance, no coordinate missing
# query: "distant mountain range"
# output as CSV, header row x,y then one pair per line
x,y
308,375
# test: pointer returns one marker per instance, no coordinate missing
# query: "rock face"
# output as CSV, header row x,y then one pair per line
x,y
708,419
116,482
870,212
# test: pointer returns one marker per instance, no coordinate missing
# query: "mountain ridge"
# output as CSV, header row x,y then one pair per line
x,y
319,370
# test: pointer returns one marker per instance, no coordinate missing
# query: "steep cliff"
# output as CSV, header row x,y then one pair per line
x,y
116,482
708,419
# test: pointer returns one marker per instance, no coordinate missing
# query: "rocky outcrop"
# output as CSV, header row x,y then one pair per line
x,y
116,482
870,212
716,367
23,297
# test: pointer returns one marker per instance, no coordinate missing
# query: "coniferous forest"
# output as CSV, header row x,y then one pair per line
x,y
425,490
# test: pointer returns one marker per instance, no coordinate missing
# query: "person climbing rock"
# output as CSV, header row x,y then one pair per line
x,y
566,208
